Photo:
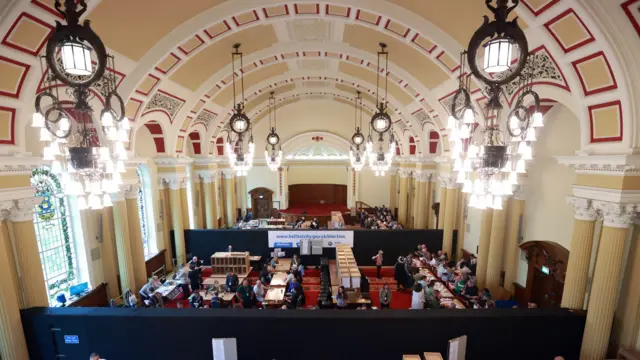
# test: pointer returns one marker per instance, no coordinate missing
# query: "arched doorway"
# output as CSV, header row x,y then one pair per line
x,y
261,202
547,269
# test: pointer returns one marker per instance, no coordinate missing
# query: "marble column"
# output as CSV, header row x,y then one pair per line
x,y
449,216
461,224
393,190
411,213
209,202
229,199
167,225
584,224
496,251
403,201
486,219
177,219
606,278
184,205
215,193
443,202
515,211
109,253
123,243
431,186
422,202
34,288
135,236
12,341
241,194
198,205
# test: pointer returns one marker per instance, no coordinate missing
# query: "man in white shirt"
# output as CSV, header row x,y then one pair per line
x,y
259,291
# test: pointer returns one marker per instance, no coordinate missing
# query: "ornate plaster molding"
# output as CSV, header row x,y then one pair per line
x,y
610,195
404,173
616,215
617,165
448,182
131,191
22,209
206,176
169,161
15,165
119,196
172,181
135,162
582,208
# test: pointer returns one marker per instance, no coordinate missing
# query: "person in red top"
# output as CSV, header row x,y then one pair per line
x,y
378,259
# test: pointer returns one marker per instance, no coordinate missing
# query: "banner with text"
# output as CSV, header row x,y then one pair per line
x,y
292,239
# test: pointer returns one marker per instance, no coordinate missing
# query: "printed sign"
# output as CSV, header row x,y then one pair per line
x,y
71,339
291,239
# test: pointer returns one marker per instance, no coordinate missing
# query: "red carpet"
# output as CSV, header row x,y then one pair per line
x,y
315,209
311,285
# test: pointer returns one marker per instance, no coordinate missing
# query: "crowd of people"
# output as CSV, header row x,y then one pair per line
x,y
380,218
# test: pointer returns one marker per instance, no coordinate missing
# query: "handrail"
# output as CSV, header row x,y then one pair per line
x,y
363,205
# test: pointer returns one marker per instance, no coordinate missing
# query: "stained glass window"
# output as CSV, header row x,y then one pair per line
x,y
142,212
55,240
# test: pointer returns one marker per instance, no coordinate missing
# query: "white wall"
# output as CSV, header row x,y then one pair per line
x,y
472,236
144,144
547,216
261,176
374,190
319,174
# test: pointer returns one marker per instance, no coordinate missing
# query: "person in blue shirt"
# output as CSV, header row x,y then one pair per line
x,y
292,284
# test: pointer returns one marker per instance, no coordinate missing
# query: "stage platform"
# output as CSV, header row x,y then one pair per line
x,y
315,209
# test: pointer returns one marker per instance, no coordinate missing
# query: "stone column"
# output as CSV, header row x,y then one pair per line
x,y
443,202
403,201
209,201
217,214
449,214
167,225
606,278
422,202
241,194
461,224
431,185
411,191
575,283
12,341
198,205
123,243
184,205
229,199
516,209
393,190
34,288
496,251
135,236
109,253
486,219
177,219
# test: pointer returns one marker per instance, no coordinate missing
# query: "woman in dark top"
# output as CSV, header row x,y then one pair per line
x,y
342,299
400,274
470,291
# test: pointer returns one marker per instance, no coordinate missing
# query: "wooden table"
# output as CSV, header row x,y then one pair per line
x,y
283,266
222,279
255,258
274,296
278,280
354,298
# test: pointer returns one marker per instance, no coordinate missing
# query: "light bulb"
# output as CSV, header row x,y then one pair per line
x,y
55,149
120,167
457,165
106,201
537,120
513,178
467,187
497,203
56,167
514,122
473,200
478,187
520,167
451,122
125,124
461,178
531,135
472,151
107,119
82,203
123,135
120,151
117,179
481,202
112,134
488,201
64,124
94,202
466,166
464,132
522,148
507,188
45,135
104,154
37,121
507,167
469,116
526,153
46,154
109,168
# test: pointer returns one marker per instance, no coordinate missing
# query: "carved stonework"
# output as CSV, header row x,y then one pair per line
x,y
404,174
446,103
616,215
582,208
161,101
101,86
206,117
131,191
541,66
421,116
448,182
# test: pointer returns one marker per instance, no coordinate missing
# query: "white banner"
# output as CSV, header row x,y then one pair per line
x,y
291,239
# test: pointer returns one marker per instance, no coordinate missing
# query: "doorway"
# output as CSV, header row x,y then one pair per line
x,y
261,202
547,291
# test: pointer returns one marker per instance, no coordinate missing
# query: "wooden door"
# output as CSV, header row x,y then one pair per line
x,y
262,209
547,291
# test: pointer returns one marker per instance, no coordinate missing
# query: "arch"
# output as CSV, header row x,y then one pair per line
x,y
156,122
309,139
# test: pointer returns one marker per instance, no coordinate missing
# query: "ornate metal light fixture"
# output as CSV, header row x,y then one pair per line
x,y
239,124
358,157
273,155
486,158
380,159
88,154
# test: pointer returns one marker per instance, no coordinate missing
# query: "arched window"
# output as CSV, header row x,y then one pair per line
x,y
53,232
142,212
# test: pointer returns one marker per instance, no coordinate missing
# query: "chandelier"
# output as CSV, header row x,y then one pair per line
x,y
380,159
241,160
487,158
88,154
273,156
357,157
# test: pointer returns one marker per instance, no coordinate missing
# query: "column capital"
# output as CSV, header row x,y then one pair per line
x,y
206,177
171,181
131,191
404,174
616,215
448,182
583,209
20,210
228,173
118,196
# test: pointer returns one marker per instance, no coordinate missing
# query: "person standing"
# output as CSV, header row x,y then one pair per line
x,y
417,298
385,297
245,294
378,260
231,282
94,356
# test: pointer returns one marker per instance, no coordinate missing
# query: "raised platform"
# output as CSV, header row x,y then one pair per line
x,y
314,209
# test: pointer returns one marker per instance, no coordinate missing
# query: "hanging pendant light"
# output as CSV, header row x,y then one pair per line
x,y
273,155
357,156
380,159
241,160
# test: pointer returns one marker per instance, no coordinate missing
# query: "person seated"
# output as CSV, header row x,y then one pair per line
x,y
196,301
459,284
248,217
434,301
298,223
342,298
290,276
422,280
155,301
293,298
441,268
295,261
292,284
473,263
314,224
470,290
274,262
265,275
232,282
484,294
215,300
452,305
147,291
